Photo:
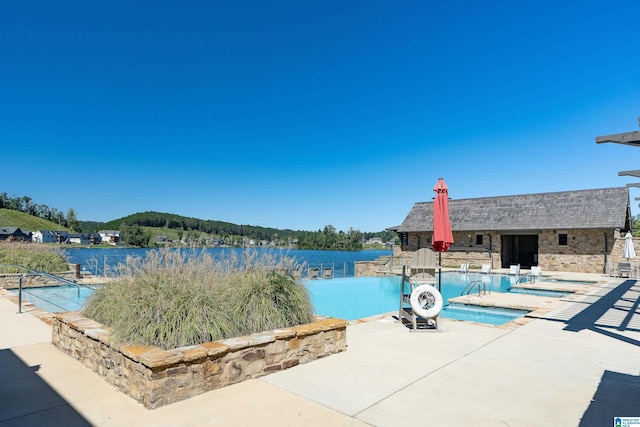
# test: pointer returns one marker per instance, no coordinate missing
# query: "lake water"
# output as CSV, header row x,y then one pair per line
x,y
99,260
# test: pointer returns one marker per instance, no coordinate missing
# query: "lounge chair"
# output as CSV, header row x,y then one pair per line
x,y
536,272
327,273
464,268
313,273
624,268
514,269
485,268
297,272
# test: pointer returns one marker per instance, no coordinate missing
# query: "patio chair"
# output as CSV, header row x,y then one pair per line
x,y
536,272
297,272
485,268
464,268
624,268
514,269
313,273
327,273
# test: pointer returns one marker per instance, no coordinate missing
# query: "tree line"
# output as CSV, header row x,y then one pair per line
x,y
331,239
228,233
27,205
218,228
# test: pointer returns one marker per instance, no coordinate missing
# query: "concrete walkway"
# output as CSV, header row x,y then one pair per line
x,y
578,365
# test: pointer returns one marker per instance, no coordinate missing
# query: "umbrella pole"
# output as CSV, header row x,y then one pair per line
x,y
440,272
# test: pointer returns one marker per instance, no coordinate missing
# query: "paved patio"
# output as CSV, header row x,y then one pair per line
x,y
577,364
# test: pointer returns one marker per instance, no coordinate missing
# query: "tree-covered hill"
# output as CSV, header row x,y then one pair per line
x,y
211,227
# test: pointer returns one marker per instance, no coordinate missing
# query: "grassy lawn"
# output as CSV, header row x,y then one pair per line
x,y
26,222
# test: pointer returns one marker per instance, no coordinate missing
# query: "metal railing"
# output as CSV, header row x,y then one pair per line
x,y
482,288
30,272
529,276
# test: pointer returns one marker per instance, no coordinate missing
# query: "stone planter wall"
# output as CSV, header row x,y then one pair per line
x,y
157,377
12,281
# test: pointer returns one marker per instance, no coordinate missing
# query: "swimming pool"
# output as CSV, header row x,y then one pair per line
x,y
356,298
57,298
344,298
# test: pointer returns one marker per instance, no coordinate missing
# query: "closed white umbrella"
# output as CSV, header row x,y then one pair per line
x,y
629,251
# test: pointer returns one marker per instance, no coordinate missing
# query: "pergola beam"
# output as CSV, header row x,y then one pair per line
x,y
635,173
628,138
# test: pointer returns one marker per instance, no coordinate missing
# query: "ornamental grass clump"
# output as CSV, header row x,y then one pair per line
x,y
34,256
172,299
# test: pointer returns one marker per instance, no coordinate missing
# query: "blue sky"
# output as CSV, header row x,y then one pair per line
x,y
303,114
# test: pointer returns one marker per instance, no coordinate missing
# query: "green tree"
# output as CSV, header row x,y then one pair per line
x,y
72,220
135,235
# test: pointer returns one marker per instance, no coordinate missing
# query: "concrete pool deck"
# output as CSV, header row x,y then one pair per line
x,y
577,364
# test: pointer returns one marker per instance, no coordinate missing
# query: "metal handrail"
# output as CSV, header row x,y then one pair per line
x,y
482,287
524,276
40,273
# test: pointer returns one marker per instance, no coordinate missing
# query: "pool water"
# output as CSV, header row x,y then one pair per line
x,y
564,281
57,298
539,292
490,315
356,298
344,298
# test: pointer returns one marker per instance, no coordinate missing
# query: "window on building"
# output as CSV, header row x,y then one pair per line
x,y
562,239
478,239
404,239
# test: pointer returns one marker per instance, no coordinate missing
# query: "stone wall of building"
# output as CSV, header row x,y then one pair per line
x,y
586,250
464,249
157,377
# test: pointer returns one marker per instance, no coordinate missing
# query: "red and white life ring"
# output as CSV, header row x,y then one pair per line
x,y
426,301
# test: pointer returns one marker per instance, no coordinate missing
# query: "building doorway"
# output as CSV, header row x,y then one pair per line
x,y
519,249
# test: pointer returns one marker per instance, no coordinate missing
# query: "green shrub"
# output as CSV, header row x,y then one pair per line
x,y
169,299
33,256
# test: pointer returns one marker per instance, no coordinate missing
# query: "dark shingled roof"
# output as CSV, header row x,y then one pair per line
x,y
602,208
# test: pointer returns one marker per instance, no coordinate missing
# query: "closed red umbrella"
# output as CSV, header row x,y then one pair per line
x,y
442,235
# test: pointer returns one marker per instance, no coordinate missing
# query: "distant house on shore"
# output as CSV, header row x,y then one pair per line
x,y
61,236
562,231
14,234
110,236
79,238
44,236
374,241
85,238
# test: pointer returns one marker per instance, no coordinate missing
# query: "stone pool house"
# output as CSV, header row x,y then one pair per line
x,y
581,231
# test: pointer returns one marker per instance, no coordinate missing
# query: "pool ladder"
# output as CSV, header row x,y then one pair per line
x,y
482,288
529,276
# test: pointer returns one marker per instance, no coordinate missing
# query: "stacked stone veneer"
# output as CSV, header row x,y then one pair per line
x,y
157,377
12,281
587,250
